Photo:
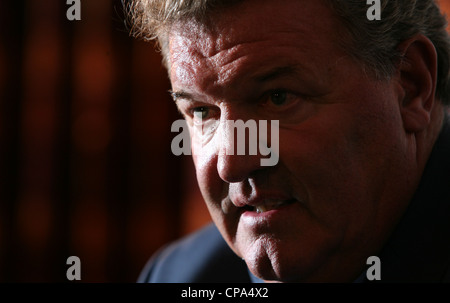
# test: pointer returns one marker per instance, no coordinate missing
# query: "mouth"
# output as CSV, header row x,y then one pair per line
x,y
268,205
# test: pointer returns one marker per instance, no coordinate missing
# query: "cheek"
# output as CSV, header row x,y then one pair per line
x,y
340,162
205,171
210,184
323,172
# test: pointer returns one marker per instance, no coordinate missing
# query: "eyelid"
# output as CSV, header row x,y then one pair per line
x,y
212,111
265,99
187,106
198,109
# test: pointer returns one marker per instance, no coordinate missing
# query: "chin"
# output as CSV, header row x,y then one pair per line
x,y
270,262
277,271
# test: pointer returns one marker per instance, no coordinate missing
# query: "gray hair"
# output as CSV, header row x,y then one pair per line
x,y
373,43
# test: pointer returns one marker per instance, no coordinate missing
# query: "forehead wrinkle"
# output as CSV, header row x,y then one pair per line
x,y
224,75
216,57
213,74
238,61
230,64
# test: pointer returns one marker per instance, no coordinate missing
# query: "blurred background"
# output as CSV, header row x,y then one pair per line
x,y
85,162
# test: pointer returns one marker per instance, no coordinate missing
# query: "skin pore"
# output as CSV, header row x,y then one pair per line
x,y
351,148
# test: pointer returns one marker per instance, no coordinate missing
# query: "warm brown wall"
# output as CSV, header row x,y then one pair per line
x,y
85,161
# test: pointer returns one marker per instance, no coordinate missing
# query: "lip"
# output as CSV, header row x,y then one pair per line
x,y
257,200
268,214
271,220
245,207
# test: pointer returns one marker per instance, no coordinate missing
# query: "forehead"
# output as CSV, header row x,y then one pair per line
x,y
231,42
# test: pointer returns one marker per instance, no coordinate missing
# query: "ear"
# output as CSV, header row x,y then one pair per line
x,y
417,73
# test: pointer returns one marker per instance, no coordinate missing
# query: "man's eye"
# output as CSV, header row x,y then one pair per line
x,y
200,112
279,97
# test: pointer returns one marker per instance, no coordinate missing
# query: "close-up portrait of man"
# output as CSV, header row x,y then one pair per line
x,y
353,95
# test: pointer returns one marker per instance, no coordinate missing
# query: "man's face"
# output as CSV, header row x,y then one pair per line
x,y
341,180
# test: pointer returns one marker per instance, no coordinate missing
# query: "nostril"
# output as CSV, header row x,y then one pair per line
x,y
248,208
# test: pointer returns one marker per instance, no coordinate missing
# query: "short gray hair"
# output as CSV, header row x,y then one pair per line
x,y
373,43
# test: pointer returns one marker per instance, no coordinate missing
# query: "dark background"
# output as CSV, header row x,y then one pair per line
x,y
85,162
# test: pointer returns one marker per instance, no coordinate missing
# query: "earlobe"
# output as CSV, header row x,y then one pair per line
x,y
417,74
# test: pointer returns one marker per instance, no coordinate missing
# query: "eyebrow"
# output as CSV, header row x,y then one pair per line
x,y
277,72
265,76
176,95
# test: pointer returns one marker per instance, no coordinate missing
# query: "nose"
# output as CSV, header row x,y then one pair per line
x,y
238,156
237,168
